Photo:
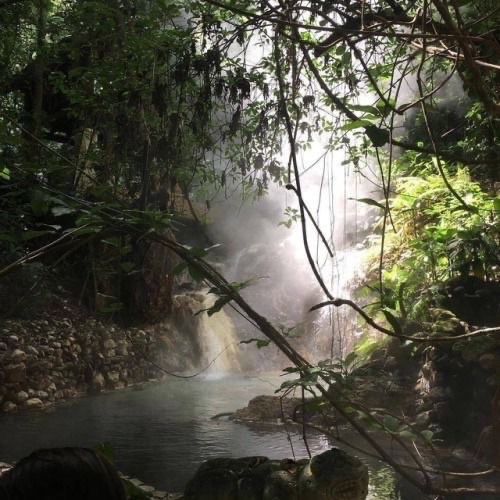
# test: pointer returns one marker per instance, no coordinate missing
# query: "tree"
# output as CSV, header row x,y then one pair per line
x,y
105,122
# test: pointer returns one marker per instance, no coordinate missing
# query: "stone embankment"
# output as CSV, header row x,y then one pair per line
x,y
44,361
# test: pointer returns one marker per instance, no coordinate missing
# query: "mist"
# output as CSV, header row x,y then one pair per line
x,y
256,246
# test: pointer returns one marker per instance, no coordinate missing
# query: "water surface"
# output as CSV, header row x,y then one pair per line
x,y
162,432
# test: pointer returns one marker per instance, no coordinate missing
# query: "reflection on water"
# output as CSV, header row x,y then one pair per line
x,y
161,433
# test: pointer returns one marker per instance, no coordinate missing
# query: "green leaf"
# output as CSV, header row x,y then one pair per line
x,y
393,321
351,358
181,266
407,434
198,251
369,201
259,342
195,274
218,305
391,423
496,204
372,110
58,211
379,136
427,435
4,173
366,346
384,108
356,124
29,235
262,343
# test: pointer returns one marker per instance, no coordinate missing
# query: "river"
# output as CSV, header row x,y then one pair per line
x,y
161,432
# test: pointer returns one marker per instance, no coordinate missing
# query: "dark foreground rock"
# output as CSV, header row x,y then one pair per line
x,y
332,475
140,490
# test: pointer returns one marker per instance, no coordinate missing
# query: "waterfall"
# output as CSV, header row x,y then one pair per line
x,y
218,339
211,341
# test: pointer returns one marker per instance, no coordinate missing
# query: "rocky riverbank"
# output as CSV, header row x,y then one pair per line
x,y
61,356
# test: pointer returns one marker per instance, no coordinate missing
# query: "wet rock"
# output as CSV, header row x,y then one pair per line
x,y
13,341
33,403
9,407
267,409
331,475
113,377
32,351
121,348
424,419
109,344
280,485
15,373
98,382
42,395
58,395
21,397
18,356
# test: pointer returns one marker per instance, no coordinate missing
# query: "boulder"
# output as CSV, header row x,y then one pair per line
x,y
267,409
33,403
424,419
332,475
18,356
15,373
42,395
98,382
281,484
21,397
13,341
9,407
109,344
32,351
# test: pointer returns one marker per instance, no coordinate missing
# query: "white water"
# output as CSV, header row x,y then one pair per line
x,y
219,340
214,338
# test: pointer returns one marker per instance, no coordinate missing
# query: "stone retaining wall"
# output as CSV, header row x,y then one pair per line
x,y
44,361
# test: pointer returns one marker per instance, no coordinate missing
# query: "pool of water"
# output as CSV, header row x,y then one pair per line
x,y
162,432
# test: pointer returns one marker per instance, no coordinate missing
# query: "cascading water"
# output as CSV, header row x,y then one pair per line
x,y
219,340
255,245
213,339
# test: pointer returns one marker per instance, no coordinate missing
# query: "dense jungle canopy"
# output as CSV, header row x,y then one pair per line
x,y
121,119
